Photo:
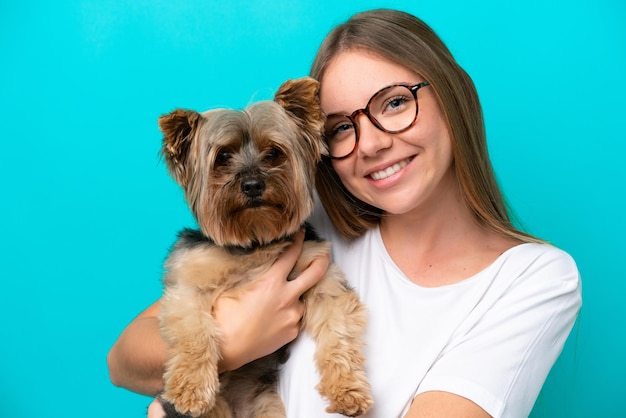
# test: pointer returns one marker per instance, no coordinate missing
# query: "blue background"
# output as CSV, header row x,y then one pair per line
x,y
88,211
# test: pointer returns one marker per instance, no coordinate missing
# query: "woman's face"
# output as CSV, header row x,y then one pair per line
x,y
397,173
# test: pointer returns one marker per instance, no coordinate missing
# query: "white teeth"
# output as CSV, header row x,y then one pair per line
x,y
383,174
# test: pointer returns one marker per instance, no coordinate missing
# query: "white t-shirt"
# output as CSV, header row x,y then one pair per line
x,y
491,338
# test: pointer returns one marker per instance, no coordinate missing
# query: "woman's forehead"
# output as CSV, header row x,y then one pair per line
x,y
352,77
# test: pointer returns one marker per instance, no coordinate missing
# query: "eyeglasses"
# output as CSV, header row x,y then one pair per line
x,y
393,109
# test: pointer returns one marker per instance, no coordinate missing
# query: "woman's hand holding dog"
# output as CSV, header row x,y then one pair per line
x,y
263,315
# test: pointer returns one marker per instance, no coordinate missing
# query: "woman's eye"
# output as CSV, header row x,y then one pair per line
x,y
343,127
395,103
339,130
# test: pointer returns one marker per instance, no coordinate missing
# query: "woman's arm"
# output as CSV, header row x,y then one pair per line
x,y
256,319
136,360
442,405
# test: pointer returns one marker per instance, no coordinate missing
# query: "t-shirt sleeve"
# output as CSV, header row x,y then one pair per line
x,y
501,355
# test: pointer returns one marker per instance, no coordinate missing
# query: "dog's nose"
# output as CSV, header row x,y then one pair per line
x,y
253,188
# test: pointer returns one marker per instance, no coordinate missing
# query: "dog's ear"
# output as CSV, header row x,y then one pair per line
x,y
178,129
300,97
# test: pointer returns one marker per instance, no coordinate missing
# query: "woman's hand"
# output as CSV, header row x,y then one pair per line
x,y
263,315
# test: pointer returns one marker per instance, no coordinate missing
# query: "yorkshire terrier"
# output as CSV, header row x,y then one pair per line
x,y
248,177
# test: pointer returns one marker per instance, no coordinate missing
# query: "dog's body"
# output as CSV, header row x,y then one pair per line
x,y
248,178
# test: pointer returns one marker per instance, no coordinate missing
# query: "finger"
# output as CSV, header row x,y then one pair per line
x,y
284,264
311,275
155,410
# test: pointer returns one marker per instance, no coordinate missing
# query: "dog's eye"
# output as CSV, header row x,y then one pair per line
x,y
273,153
223,157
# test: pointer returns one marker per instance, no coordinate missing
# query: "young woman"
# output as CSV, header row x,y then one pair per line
x,y
467,314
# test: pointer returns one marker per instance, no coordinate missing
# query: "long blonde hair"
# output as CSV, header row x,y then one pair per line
x,y
406,40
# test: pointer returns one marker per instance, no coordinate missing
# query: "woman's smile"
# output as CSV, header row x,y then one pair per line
x,y
390,171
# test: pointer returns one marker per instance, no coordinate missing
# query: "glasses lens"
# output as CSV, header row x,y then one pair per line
x,y
340,135
394,108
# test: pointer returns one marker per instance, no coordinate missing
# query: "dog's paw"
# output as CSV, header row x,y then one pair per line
x,y
350,402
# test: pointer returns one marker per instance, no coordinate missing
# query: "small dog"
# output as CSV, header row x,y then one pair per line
x,y
248,177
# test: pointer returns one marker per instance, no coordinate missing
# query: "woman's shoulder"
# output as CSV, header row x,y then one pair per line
x,y
541,253
541,263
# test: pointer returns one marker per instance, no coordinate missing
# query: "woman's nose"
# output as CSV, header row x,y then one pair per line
x,y
371,139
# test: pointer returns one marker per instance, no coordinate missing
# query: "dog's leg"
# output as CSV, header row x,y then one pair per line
x,y
336,319
191,378
252,390
220,410
265,405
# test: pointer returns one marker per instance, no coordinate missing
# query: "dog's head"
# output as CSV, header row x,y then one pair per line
x,y
248,175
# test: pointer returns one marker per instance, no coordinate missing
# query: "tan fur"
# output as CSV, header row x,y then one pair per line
x,y
248,178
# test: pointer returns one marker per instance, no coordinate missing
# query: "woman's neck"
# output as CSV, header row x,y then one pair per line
x,y
441,243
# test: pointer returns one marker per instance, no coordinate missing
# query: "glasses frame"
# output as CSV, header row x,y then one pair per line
x,y
366,111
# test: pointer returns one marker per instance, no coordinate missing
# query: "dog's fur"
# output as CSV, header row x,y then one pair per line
x,y
248,177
